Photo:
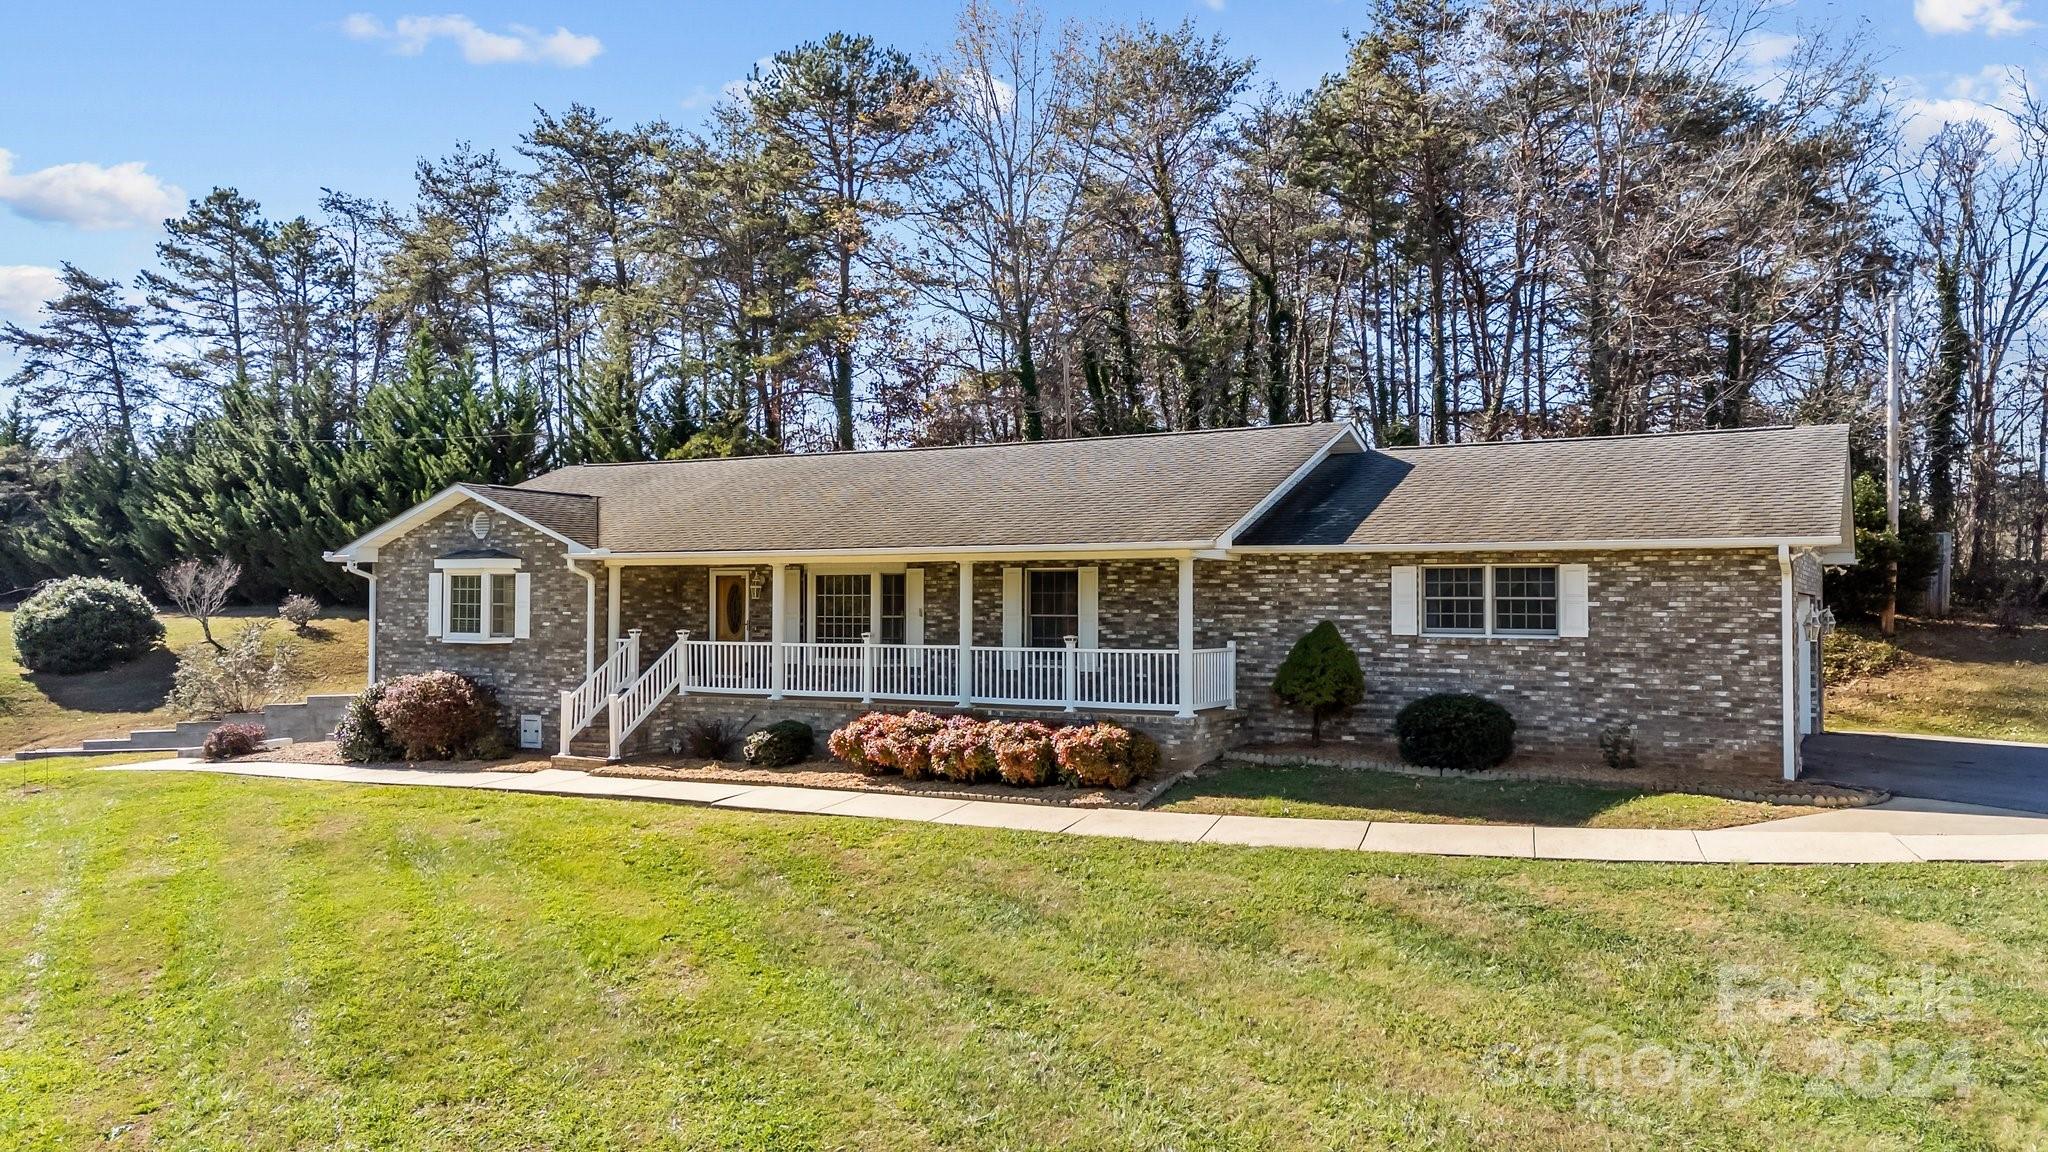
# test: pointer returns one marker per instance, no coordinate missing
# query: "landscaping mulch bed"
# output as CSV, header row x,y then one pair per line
x,y
325,752
829,774
1732,785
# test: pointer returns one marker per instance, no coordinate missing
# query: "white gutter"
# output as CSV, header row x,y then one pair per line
x,y
349,566
1788,689
990,552
589,616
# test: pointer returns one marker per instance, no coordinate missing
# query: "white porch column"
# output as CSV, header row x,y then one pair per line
x,y
966,633
1187,635
611,609
777,630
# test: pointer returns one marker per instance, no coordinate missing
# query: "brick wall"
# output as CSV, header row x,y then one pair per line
x,y
529,675
1682,645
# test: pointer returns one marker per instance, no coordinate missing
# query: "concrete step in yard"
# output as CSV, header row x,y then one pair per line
x,y
313,718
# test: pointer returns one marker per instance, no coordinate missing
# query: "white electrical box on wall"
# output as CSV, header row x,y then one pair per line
x,y
529,731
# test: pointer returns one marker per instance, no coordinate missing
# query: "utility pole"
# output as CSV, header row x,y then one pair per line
x,y
1889,621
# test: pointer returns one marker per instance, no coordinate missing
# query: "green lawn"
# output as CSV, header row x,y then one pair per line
x,y
1359,794
192,961
1955,678
38,711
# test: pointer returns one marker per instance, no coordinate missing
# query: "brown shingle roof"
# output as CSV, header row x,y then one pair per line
x,y
572,514
1168,487
1753,483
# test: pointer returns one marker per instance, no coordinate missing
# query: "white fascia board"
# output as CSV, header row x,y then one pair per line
x,y
1345,432
1622,545
364,547
995,552
481,564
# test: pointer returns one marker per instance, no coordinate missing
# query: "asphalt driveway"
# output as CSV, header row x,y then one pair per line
x,y
1994,774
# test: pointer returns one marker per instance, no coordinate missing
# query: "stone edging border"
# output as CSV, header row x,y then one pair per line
x,y
1846,798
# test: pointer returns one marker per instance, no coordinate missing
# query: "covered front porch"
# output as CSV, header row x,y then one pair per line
x,y
1054,632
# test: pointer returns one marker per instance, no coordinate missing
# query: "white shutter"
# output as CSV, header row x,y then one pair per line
x,y
1572,610
1086,579
913,605
437,582
522,605
1013,615
1404,581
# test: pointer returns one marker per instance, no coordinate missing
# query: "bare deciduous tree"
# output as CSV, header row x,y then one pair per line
x,y
200,589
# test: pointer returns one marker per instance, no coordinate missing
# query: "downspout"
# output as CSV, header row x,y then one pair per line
x,y
350,567
1788,685
589,616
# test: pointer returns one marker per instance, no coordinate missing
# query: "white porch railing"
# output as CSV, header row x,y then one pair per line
x,y
638,700
581,704
1069,677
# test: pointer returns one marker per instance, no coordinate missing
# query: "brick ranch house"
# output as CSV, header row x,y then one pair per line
x,y
1668,585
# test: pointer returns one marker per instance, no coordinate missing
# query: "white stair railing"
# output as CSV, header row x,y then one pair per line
x,y
638,700
581,704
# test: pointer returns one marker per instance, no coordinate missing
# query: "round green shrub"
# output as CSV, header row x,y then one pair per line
x,y
84,624
1320,676
780,744
1455,730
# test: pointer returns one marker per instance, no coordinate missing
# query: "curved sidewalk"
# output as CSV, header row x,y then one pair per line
x,y
1803,840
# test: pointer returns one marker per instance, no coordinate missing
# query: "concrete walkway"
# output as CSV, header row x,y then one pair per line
x,y
2004,837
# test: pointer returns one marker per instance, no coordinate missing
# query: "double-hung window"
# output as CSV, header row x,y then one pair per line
x,y
481,606
1490,600
848,606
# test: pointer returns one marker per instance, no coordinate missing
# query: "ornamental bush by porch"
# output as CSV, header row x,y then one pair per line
x,y
84,624
1023,752
1456,731
961,751
1094,755
1320,677
439,716
780,744
360,738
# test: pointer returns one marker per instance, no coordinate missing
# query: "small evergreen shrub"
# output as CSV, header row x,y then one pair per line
x,y
440,716
360,737
84,624
961,751
299,611
1618,747
231,740
781,744
241,676
1455,730
1023,752
1320,676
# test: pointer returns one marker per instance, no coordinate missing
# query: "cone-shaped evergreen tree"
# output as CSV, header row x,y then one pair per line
x,y
1320,677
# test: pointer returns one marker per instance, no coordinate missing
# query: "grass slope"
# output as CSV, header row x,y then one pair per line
x,y
1359,794
38,710
1957,678
192,961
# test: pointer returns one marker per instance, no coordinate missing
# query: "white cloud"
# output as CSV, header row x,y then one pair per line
x,y
87,195
23,288
517,44
1985,96
1214,5
1953,17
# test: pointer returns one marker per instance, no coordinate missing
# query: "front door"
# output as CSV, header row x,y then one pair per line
x,y
729,606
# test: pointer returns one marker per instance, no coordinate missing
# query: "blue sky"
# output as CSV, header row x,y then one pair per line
x,y
114,111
